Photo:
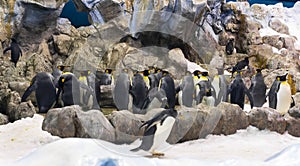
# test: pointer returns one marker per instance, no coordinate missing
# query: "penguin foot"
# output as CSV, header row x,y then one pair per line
x,y
157,154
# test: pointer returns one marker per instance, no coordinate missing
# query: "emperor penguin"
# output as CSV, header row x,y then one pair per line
x,y
45,91
220,85
168,86
121,91
258,89
237,91
157,131
284,95
207,91
15,53
139,92
186,90
70,86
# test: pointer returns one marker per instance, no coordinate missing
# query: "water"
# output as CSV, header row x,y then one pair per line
x,y
287,3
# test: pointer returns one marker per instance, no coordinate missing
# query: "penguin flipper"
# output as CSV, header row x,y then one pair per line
x,y
157,118
28,91
249,97
9,48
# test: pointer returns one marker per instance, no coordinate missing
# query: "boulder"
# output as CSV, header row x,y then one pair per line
x,y
3,119
278,26
288,42
232,119
71,121
293,126
17,110
273,41
267,118
126,126
63,44
295,111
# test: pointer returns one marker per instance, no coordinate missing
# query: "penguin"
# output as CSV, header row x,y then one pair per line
x,y
102,78
146,79
168,86
139,92
258,89
229,46
237,91
206,92
42,83
70,86
186,91
121,91
272,94
155,99
220,85
240,65
283,96
15,53
157,131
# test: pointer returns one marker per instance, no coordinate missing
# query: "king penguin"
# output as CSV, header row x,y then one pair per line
x,y
258,89
15,53
186,90
284,95
121,91
168,86
45,92
237,91
139,92
220,85
157,131
207,91
272,94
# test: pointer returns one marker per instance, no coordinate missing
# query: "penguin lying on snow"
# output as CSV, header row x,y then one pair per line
x,y
15,51
157,131
45,92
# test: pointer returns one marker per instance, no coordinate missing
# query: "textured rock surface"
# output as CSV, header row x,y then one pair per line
x,y
3,119
293,126
73,122
267,118
295,111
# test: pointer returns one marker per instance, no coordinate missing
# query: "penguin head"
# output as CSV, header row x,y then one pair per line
x,y
84,73
164,73
157,70
258,70
283,77
108,71
196,73
205,73
13,40
146,72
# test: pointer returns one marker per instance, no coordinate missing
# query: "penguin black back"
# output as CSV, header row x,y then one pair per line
x,y
237,91
168,85
240,65
229,47
139,93
273,93
258,89
121,91
45,92
16,51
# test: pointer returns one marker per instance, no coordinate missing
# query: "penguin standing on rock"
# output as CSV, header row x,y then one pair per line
x,y
229,46
168,86
186,91
15,53
237,91
121,91
139,92
258,89
45,92
207,91
220,85
240,65
283,95
157,131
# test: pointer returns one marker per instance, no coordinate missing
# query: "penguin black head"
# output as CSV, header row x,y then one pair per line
x,y
231,40
258,70
62,67
164,73
282,78
84,73
108,71
205,73
157,70
196,73
146,72
13,40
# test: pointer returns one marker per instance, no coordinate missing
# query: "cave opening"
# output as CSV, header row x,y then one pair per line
x,y
76,18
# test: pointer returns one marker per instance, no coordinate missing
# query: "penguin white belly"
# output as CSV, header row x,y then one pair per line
x,y
216,84
155,103
162,133
180,98
283,99
209,100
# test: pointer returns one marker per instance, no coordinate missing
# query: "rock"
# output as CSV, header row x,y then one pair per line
x,y
63,44
278,26
288,42
263,56
3,119
273,41
297,98
293,126
126,125
105,11
267,118
71,121
16,110
233,118
295,111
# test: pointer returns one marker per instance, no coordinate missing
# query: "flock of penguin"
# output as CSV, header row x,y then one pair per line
x,y
153,88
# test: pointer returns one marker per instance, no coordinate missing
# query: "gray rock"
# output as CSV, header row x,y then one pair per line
x,y
267,118
71,121
273,41
3,119
295,111
233,118
278,26
126,125
293,126
288,42
17,110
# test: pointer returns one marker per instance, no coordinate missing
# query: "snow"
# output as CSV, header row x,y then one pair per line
x,y
25,143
